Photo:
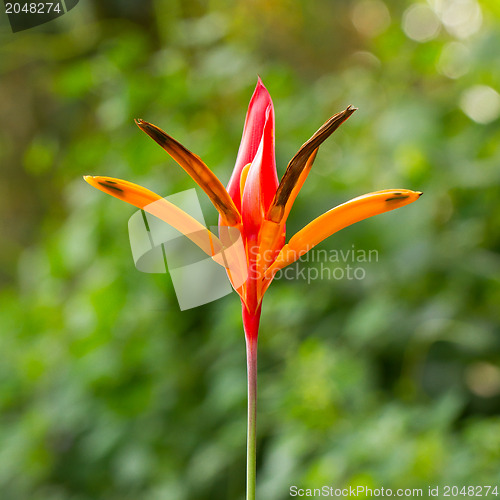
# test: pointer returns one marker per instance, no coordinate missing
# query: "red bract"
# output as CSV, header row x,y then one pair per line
x,y
260,114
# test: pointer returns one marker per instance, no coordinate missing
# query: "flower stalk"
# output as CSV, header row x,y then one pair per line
x,y
251,326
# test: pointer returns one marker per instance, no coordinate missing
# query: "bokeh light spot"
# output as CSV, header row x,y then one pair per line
x,y
420,23
461,18
481,103
454,61
371,17
483,379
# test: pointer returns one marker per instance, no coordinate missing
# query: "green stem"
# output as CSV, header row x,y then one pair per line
x,y
251,325
252,417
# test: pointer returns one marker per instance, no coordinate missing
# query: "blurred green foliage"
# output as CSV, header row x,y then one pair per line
x,y
108,391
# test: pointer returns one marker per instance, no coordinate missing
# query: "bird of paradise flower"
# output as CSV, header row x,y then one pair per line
x,y
255,207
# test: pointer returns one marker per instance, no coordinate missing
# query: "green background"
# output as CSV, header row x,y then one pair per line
x,y
108,391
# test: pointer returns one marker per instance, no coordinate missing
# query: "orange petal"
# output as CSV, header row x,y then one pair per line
x,y
200,173
286,192
154,204
298,186
339,217
127,191
244,175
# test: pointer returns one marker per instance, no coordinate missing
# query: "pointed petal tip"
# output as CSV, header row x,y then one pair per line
x,y
260,88
301,161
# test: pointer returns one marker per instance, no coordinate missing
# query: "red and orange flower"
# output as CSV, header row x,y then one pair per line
x,y
254,203
254,207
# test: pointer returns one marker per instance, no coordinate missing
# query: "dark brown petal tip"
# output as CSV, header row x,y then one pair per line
x,y
299,161
198,171
156,133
